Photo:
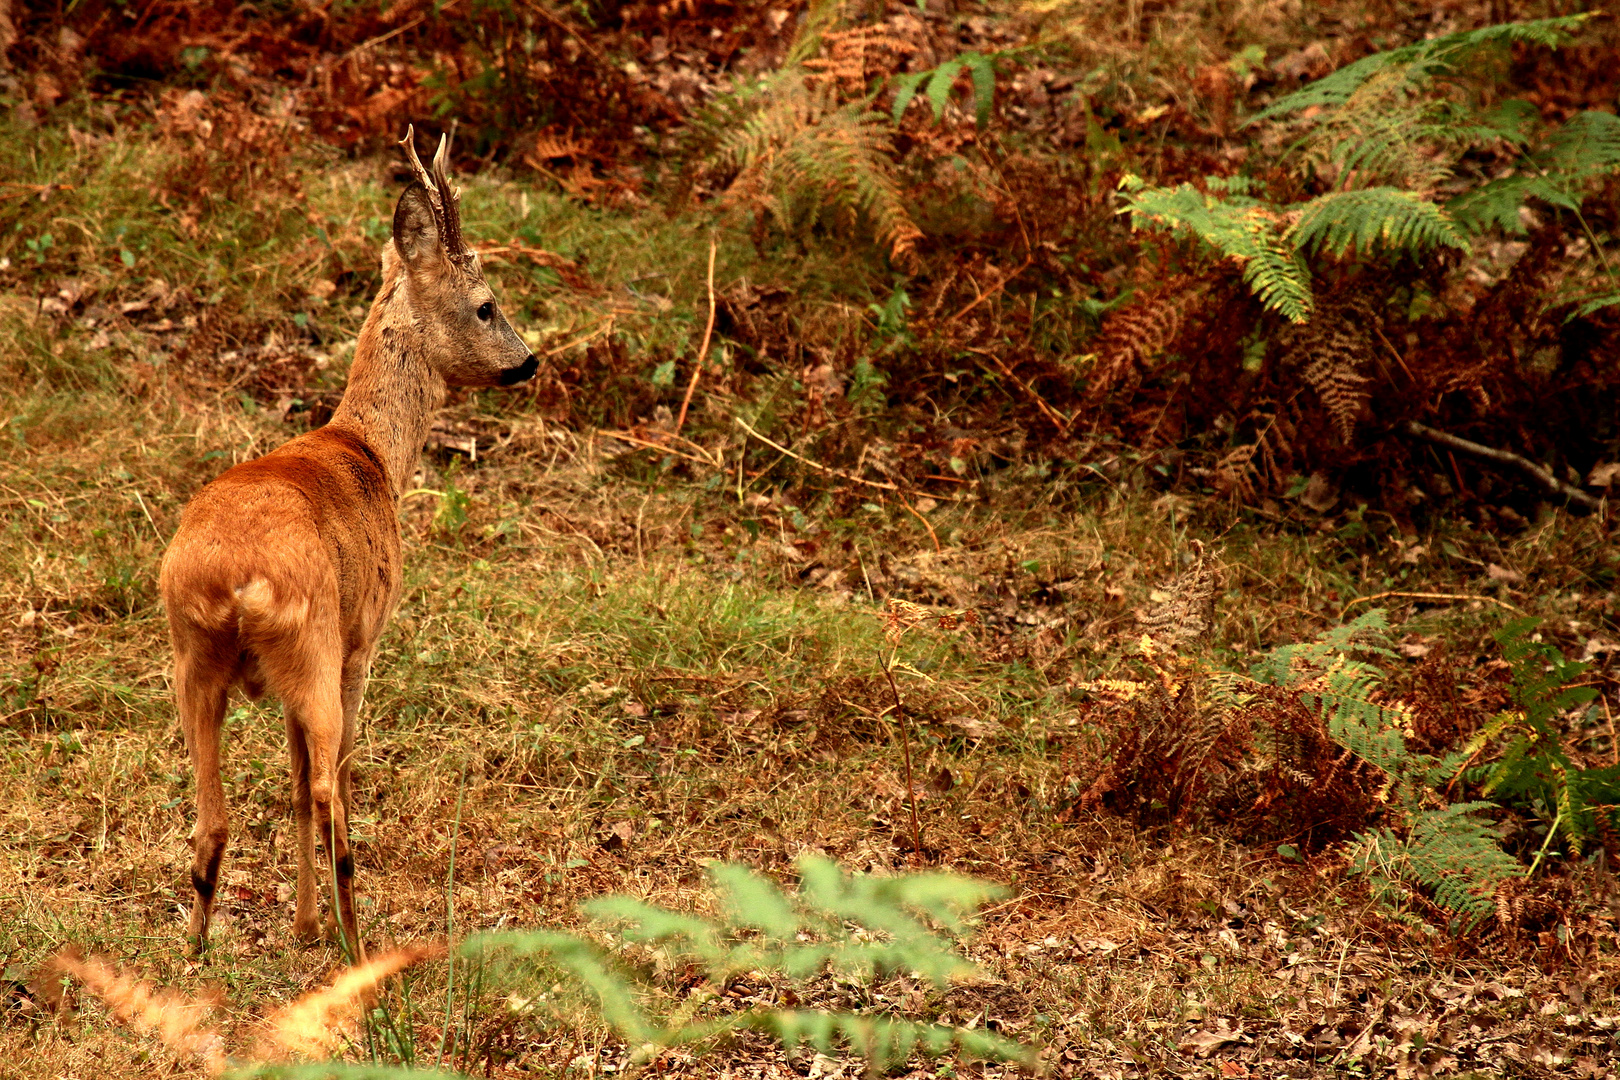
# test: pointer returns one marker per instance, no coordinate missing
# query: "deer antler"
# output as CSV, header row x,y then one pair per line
x,y
452,202
446,200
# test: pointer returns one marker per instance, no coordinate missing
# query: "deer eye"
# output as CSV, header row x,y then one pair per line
x,y
486,311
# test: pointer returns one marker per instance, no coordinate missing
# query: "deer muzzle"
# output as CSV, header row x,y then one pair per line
x,y
522,373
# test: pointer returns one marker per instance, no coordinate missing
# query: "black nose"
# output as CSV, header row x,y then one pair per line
x,y
522,373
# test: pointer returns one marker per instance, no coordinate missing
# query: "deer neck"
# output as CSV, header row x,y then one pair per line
x,y
393,391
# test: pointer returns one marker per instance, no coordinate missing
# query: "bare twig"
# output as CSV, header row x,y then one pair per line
x,y
905,751
818,466
582,339
926,524
1547,480
851,477
992,290
546,14
1424,596
1614,745
1395,353
703,350
650,444
1055,418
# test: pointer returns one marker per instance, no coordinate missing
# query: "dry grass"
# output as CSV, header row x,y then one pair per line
x,y
627,683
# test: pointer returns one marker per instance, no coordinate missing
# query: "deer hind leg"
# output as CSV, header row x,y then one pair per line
x,y
315,725
355,670
201,690
306,923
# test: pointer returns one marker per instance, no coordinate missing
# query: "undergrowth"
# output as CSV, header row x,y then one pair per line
x,y
837,925
1310,748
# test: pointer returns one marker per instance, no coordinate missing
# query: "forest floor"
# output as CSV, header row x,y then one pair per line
x,y
619,676
625,652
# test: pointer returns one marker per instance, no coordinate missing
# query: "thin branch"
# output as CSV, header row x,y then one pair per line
x,y
851,477
703,350
1544,477
396,31
547,14
1055,418
818,466
662,447
582,339
926,524
992,290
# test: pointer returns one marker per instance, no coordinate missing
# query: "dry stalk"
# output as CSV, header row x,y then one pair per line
x,y
905,753
703,350
1425,596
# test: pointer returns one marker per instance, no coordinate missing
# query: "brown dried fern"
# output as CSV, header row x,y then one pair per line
x,y
1332,350
1187,613
791,152
176,1020
1167,742
314,1025
1133,338
853,57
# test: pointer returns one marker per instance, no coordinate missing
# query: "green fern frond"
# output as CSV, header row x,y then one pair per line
x,y
855,924
1587,145
1583,149
1424,59
1242,229
1543,681
1374,218
1534,769
1596,304
1452,853
1367,633
1459,856
1496,203
819,17
941,81
1389,133
615,996
881,1040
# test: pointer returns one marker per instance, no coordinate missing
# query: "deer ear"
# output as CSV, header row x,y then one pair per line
x,y
416,229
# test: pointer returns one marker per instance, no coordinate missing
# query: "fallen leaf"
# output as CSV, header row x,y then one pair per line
x,y
1204,1042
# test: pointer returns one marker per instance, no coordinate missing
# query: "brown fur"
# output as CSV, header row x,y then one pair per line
x,y
285,569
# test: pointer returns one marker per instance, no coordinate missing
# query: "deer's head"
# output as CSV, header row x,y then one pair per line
x,y
462,332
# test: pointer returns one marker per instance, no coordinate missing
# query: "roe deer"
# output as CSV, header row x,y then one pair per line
x,y
285,569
